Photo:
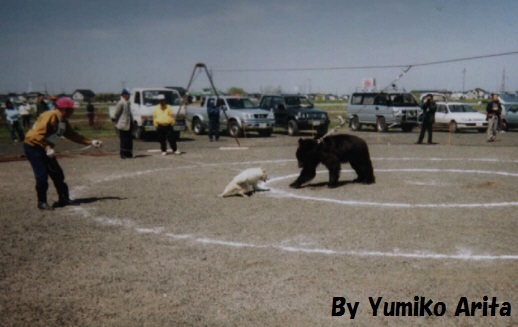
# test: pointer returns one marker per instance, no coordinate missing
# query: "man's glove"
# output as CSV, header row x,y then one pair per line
x,y
50,152
97,143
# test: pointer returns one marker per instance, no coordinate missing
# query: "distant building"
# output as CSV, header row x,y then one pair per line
x,y
477,93
83,95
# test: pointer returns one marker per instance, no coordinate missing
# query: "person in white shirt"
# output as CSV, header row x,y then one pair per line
x,y
12,116
25,113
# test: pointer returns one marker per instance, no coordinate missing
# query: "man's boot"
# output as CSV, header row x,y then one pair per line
x,y
64,199
44,206
42,199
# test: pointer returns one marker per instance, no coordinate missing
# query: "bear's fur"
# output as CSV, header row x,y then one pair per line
x,y
331,151
246,182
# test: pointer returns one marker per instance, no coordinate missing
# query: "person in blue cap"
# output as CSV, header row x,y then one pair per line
x,y
124,124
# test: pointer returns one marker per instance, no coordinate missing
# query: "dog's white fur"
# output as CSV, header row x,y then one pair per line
x,y
246,182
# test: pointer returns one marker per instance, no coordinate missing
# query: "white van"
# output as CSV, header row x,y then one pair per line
x,y
383,110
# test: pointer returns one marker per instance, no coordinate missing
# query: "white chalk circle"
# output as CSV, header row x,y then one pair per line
x,y
292,194
160,231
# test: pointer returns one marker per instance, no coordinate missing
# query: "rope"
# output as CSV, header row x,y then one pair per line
x,y
342,123
440,62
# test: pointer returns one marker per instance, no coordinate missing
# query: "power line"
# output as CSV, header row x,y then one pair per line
x,y
367,67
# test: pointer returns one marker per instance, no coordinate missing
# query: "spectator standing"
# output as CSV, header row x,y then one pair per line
x,y
164,120
124,125
494,111
12,116
429,109
52,104
39,149
213,111
25,112
90,112
41,105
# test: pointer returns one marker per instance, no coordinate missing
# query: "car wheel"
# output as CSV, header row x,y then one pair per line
x,y
355,124
234,130
293,128
454,127
504,125
197,127
138,132
381,125
265,132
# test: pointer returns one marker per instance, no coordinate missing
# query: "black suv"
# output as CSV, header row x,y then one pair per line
x,y
295,112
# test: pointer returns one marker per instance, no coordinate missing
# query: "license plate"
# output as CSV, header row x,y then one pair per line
x,y
316,122
263,125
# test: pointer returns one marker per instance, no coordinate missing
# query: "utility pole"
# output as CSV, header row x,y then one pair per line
x,y
464,81
502,90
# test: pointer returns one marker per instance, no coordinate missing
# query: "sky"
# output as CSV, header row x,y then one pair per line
x,y
63,45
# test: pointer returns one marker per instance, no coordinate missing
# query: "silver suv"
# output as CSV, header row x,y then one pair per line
x,y
383,110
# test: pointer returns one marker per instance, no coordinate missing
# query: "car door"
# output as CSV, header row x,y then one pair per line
x,y
381,107
279,110
369,110
441,116
511,116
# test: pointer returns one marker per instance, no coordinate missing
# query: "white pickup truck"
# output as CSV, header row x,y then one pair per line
x,y
143,102
243,117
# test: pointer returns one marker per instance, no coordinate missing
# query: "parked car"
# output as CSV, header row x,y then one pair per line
x,y
457,116
510,119
243,116
143,102
294,113
383,110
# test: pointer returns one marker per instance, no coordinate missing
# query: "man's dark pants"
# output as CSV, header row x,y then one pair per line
x,y
126,144
214,128
167,133
43,167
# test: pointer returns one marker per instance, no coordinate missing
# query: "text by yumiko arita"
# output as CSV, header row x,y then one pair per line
x,y
422,307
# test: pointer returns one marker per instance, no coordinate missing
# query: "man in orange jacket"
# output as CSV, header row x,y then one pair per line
x,y
39,148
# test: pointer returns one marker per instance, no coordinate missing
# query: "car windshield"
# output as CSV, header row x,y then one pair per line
x,y
461,108
297,102
151,98
402,100
240,103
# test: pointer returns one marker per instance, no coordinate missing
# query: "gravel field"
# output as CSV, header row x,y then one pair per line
x,y
153,245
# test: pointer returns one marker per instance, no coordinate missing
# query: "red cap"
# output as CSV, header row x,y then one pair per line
x,y
66,103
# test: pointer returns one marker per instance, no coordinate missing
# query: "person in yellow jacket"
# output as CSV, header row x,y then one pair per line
x,y
39,148
163,119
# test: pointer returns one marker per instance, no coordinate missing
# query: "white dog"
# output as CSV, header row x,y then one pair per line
x,y
246,182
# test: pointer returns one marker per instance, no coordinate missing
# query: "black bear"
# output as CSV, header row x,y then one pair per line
x,y
331,151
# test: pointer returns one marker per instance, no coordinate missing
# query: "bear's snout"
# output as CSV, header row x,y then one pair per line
x,y
301,164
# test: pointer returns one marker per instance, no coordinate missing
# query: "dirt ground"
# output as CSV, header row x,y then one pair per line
x,y
152,245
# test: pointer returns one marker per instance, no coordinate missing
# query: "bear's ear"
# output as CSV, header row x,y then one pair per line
x,y
301,140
